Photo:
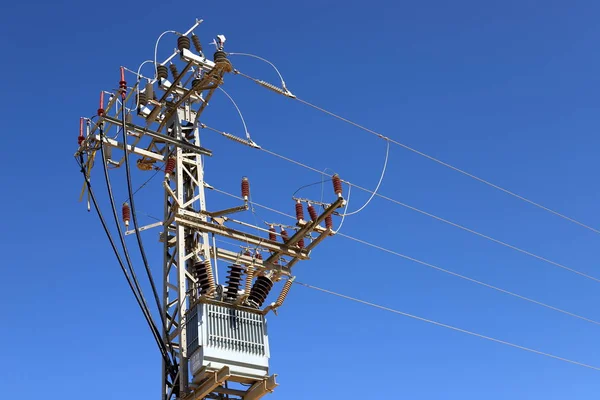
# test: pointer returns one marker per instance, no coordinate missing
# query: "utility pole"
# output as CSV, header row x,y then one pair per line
x,y
215,337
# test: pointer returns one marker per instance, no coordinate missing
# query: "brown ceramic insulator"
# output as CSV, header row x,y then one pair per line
x,y
337,184
174,71
170,166
126,212
162,72
312,212
183,42
233,282
299,211
284,235
329,222
260,291
197,44
245,188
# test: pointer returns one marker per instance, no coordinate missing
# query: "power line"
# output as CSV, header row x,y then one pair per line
x,y
454,328
422,154
135,221
121,236
160,343
437,268
454,224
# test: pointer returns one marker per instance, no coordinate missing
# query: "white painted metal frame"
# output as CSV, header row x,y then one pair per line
x,y
185,189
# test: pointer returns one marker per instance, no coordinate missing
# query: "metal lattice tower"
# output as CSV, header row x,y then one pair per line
x,y
213,337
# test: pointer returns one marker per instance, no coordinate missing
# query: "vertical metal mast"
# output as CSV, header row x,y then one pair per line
x,y
182,247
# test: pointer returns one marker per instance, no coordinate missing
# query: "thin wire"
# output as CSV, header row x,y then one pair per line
x,y
121,236
445,164
454,328
152,327
239,112
137,99
345,211
374,193
262,59
156,51
147,181
135,222
457,275
556,264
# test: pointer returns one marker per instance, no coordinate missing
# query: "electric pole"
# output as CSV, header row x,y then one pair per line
x,y
212,336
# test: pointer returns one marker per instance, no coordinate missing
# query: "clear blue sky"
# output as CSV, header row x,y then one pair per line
x,y
507,90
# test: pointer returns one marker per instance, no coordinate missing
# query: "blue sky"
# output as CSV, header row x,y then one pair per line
x,y
506,90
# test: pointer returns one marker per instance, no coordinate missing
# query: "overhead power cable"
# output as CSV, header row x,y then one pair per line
x,y
435,267
286,93
134,219
157,337
451,327
454,224
121,236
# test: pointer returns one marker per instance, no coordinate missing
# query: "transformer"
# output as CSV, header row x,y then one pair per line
x,y
220,335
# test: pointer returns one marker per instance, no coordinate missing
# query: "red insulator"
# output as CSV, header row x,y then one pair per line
x,y
301,243
245,188
272,235
80,138
258,255
101,107
329,222
312,212
126,211
299,211
337,184
170,167
122,83
284,235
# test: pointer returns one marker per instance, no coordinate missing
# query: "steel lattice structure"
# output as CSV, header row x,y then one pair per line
x,y
215,333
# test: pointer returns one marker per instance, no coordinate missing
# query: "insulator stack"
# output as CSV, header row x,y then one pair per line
x,y
299,211
170,166
284,292
80,138
245,188
234,280
312,212
337,184
149,91
122,83
260,291
272,233
126,212
249,278
220,56
284,235
258,256
301,243
202,271
329,222
183,42
272,87
197,44
142,99
196,82
162,72
174,71
101,107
